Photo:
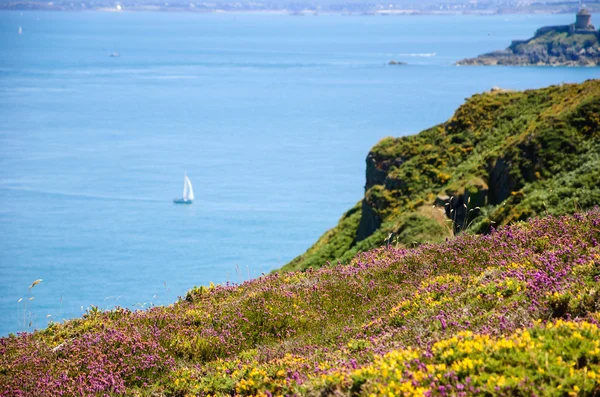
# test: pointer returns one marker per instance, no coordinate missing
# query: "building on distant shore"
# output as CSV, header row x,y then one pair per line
x,y
582,20
582,25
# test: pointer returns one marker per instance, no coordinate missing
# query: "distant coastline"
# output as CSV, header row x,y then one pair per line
x,y
577,44
300,8
395,13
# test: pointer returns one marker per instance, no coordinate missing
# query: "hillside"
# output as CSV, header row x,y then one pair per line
x,y
549,47
503,157
514,312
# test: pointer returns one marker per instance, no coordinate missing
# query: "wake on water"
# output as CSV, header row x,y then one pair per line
x,y
419,55
83,195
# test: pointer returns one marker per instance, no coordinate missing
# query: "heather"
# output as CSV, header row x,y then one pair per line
x,y
511,312
503,157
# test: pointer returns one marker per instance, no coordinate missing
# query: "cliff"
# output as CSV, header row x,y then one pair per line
x,y
513,312
503,157
553,46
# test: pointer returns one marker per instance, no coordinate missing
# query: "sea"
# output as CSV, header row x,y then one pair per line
x,y
271,117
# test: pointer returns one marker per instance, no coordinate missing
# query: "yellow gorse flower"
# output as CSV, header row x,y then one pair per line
x,y
465,355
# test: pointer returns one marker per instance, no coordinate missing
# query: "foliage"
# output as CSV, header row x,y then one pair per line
x,y
556,358
508,155
555,40
550,46
438,319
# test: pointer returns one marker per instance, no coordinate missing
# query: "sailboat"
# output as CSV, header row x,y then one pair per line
x,y
188,192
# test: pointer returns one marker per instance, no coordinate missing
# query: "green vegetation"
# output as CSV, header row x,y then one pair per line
x,y
555,38
482,365
503,157
515,312
551,46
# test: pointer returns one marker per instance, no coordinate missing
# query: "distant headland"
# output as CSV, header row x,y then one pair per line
x,y
577,44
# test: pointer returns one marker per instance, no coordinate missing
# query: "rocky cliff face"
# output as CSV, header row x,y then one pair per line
x,y
550,48
503,157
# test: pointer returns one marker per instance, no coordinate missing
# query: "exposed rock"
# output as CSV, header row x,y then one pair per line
x,y
456,210
377,169
506,152
551,46
460,207
441,200
392,183
500,181
369,222
499,89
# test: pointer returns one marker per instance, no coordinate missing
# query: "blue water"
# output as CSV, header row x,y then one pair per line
x,y
271,116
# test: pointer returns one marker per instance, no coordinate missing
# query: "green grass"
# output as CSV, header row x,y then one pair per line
x,y
554,39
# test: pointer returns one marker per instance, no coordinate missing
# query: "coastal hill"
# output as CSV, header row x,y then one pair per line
x,y
514,313
503,157
572,45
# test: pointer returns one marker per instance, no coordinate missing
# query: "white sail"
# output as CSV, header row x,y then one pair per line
x,y
188,187
188,192
185,187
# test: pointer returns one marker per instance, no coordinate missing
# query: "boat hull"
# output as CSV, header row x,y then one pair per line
x,y
182,201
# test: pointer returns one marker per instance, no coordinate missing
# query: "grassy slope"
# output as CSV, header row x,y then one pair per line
x,y
439,319
516,154
557,42
548,47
